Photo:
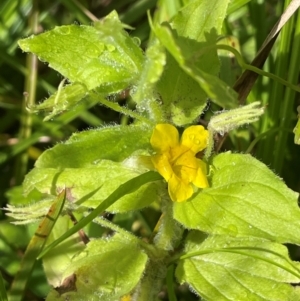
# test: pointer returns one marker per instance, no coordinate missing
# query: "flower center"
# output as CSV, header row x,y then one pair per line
x,y
183,163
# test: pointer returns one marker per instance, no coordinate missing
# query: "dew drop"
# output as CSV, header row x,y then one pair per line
x,y
192,137
197,141
141,108
96,162
64,30
232,229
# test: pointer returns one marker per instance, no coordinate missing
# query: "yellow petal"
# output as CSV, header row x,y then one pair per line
x,y
162,165
164,137
201,179
186,166
185,173
177,152
195,138
179,190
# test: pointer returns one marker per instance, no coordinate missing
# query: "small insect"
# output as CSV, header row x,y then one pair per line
x,y
297,128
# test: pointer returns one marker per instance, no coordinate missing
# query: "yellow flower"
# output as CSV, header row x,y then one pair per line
x,y
176,160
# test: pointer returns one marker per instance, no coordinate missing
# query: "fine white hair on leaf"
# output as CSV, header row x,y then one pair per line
x,y
225,121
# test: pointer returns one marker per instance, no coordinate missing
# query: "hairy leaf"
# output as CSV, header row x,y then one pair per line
x,y
107,175
192,63
87,161
65,98
105,270
245,199
144,92
86,149
59,258
225,268
102,56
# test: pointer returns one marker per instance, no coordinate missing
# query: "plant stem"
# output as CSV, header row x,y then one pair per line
x,y
28,100
170,283
170,231
167,238
116,107
152,281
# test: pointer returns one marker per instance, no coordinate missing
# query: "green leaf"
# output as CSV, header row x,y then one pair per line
x,y
87,161
225,268
144,92
183,100
126,188
106,269
245,199
152,70
192,64
32,212
82,181
59,258
235,5
64,99
86,149
102,57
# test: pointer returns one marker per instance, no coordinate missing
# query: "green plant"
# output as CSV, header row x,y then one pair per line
x,y
223,234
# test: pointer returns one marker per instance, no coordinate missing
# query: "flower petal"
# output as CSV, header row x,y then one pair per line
x,y
195,138
201,180
186,165
162,165
185,173
164,137
179,190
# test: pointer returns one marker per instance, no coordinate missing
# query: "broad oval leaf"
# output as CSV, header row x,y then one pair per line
x,y
59,258
190,76
225,268
106,270
245,199
90,186
90,162
63,99
86,149
102,56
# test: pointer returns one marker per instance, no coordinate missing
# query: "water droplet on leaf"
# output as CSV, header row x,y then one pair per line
x,y
64,30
